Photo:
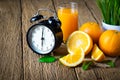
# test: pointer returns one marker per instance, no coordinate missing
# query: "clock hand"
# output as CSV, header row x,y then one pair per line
x,y
42,38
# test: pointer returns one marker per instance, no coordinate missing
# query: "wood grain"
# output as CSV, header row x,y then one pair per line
x,y
33,70
19,62
102,74
107,74
88,11
10,40
84,16
95,11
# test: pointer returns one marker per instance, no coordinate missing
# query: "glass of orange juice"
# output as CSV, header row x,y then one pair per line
x,y
68,15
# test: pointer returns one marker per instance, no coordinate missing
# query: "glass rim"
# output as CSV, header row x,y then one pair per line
x,y
63,4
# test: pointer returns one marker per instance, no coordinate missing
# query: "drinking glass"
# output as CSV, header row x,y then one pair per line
x,y
68,15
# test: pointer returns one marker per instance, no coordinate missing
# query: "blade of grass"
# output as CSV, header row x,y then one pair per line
x,y
118,12
115,13
110,11
107,12
119,17
100,5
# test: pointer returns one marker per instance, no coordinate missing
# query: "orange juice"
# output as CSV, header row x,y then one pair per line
x,y
69,20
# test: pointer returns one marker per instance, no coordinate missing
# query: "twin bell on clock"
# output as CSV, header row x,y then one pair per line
x,y
46,35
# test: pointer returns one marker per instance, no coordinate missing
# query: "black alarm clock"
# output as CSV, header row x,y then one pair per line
x,y
46,35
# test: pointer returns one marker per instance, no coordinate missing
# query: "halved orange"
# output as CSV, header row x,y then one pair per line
x,y
97,54
73,59
79,39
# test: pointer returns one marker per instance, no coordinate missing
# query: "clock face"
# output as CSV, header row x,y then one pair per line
x,y
41,39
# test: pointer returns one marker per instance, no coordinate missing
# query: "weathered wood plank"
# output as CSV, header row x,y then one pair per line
x,y
33,70
107,74
84,16
86,75
117,63
95,11
103,74
10,40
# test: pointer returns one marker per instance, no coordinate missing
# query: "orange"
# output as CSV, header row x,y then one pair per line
x,y
93,29
79,39
97,54
73,59
109,42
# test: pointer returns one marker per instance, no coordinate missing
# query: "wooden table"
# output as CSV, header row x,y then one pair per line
x,y
18,62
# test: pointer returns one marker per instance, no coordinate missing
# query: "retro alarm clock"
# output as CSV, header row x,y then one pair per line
x,y
46,35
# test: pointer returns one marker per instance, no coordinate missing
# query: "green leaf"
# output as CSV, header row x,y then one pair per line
x,y
86,65
47,59
111,63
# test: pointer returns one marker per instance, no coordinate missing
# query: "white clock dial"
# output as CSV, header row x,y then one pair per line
x,y
43,40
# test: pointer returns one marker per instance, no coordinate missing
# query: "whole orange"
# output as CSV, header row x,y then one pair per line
x,y
109,42
93,29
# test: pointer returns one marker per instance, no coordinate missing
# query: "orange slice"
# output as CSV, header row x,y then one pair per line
x,y
97,54
73,59
79,39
